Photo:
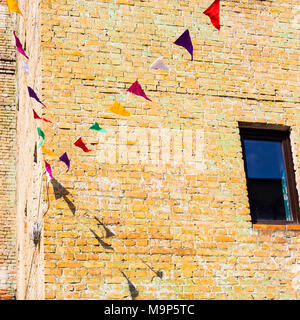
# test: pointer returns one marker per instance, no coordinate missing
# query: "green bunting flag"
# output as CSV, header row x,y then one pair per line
x,y
41,134
96,127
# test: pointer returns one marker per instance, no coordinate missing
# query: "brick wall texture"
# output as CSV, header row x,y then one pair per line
x,y
159,208
7,158
29,171
21,198
193,224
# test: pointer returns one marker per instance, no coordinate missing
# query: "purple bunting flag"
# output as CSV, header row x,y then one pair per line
x,y
185,41
64,158
33,95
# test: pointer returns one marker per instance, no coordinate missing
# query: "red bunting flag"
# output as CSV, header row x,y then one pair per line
x,y
213,12
36,116
79,143
136,88
46,120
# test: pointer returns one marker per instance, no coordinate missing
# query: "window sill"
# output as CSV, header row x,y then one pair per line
x,y
286,227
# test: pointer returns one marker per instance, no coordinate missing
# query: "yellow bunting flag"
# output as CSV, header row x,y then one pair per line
x,y
118,109
49,152
13,6
130,142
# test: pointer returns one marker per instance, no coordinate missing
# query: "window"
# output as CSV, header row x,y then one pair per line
x,y
269,168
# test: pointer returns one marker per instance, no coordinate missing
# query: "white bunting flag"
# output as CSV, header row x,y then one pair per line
x,y
159,64
25,67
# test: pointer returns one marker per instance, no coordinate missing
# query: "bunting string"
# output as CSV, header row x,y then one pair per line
x,y
184,41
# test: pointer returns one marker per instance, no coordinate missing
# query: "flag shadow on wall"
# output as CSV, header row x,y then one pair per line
x,y
61,192
103,244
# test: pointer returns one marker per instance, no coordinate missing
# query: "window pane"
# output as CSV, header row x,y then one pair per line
x,y
267,187
264,159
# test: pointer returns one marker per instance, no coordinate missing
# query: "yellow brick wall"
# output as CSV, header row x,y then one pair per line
x,y
7,157
192,223
21,196
30,200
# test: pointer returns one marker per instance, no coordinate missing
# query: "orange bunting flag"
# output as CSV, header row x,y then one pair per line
x,y
49,152
13,7
130,142
118,109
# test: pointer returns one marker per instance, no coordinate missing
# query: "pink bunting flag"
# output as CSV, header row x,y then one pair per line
x,y
19,45
48,170
137,89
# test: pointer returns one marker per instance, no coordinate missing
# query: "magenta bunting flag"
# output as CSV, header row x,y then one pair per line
x,y
64,158
137,89
185,41
48,169
33,95
19,45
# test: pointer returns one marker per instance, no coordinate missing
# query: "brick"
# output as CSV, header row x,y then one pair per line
x,y
191,223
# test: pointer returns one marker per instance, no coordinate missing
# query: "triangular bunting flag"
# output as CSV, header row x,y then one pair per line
x,y
25,67
185,41
136,88
36,116
79,143
13,7
19,45
118,109
48,170
33,95
159,64
213,12
49,152
41,134
64,158
130,142
46,120
96,127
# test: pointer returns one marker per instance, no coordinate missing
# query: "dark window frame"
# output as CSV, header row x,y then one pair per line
x,y
284,137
